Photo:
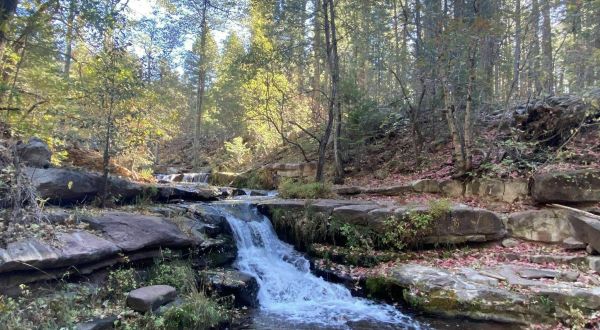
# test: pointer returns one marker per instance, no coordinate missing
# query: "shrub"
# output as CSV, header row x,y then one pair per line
x,y
120,281
357,237
292,189
238,151
196,312
400,233
178,274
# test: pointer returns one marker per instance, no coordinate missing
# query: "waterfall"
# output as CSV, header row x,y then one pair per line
x,y
196,177
184,178
288,290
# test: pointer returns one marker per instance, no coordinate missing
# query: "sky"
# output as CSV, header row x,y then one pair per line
x,y
143,8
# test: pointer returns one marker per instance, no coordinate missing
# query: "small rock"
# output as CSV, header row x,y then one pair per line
x,y
511,256
151,297
569,276
590,250
594,263
98,324
35,153
510,242
230,282
572,243
533,273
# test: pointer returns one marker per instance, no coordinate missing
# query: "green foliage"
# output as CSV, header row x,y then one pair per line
x,y
293,189
256,179
120,281
196,312
401,232
62,309
357,237
238,151
178,274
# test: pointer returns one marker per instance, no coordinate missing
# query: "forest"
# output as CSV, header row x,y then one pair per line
x,y
311,75
388,146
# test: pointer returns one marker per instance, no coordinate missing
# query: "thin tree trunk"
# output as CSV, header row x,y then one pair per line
x,y
451,119
535,50
69,39
337,104
106,154
7,10
201,86
468,125
331,115
547,49
317,49
517,53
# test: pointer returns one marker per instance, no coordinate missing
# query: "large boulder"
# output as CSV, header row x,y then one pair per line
x,y
587,229
567,187
231,282
65,186
132,232
34,153
149,298
550,226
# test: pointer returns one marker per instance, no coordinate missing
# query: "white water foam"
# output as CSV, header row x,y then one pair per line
x,y
287,287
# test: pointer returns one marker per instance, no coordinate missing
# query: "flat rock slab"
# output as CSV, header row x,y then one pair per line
x,y
442,292
469,293
534,273
390,190
132,232
149,298
572,243
567,187
69,249
106,323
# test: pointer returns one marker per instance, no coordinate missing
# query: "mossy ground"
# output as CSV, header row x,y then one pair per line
x,y
67,304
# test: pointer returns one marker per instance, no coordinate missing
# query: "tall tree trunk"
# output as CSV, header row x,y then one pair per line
x,y
517,53
69,39
335,99
201,84
331,105
534,72
548,60
454,134
7,10
317,69
468,124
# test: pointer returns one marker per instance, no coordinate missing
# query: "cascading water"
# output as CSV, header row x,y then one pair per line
x,y
196,177
288,290
184,178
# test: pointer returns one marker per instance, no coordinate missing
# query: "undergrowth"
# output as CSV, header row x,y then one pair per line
x,y
66,305
312,190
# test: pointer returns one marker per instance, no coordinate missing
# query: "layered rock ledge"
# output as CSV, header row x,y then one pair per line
x,y
113,238
303,222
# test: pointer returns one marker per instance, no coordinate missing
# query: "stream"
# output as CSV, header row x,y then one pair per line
x,y
290,296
